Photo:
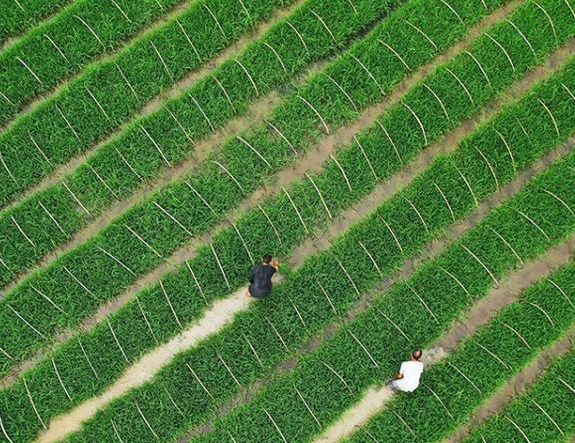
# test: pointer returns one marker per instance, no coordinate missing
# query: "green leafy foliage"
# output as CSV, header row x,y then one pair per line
x,y
120,166
130,326
545,412
441,296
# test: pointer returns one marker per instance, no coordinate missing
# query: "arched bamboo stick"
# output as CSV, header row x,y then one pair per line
x,y
68,123
190,41
393,145
394,52
215,20
508,245
117,260
203,113
192,273
202,385
117,341
438,100
360,63
130,167
458,80
81,20
364,348
500,46
174,219
48,299
82,285
478,260
156,145
366,158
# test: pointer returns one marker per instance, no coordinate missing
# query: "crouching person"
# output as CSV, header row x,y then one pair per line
x,y
407,379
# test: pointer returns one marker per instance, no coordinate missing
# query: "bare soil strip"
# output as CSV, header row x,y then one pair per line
x,y
514,386
376,397
444,145
157,102
56,89
215,318
312,161
342,222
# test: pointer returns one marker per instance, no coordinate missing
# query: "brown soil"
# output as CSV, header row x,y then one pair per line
x,y
153,105
188,251
514,386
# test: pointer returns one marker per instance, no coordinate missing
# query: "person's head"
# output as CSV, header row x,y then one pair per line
x,y
267,259
416,355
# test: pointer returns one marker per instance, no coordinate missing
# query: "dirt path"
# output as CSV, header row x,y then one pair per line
x,y
514,386
215,318
155,103
322,240
376,398
312,161
37,100
444,145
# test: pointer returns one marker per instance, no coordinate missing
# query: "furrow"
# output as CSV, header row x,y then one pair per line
x,y
335,285
218,381
175,144
515,386
98,260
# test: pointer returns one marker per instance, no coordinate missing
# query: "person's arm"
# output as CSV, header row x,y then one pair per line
x,y
400,373
251,279
276,265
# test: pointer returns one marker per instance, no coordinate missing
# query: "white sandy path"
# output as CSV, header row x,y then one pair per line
x,y
215,318
373,401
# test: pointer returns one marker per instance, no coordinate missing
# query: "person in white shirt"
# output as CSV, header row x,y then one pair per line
x,y
407,379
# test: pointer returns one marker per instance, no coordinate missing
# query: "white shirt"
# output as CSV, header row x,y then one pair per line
x,y
411,371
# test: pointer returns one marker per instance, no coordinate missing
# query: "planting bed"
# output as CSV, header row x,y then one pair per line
x,y
405,180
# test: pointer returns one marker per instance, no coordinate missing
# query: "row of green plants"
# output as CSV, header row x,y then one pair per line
x,y
94,105
497,352
88,29
105,177
92,267
545,412
134,334
444,398
198,381
18,17
106,277
80,300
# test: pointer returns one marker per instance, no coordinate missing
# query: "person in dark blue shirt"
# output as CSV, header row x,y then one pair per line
x,y
261,277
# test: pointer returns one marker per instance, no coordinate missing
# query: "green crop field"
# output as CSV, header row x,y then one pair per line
x,y
409,163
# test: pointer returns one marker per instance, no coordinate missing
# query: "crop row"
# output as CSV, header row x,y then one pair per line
x,y
445,397
424,307
114,172
459,385
169,218
81,299
88,29
19,16
93,105
178,202
133,330
544,413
